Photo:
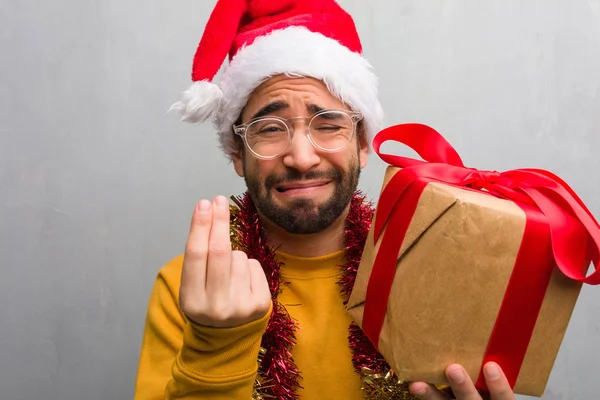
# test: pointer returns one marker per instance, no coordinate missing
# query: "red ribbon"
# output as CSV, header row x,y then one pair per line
x,y
559,231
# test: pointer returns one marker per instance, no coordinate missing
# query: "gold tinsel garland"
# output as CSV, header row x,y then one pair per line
x,y
384,386
261,385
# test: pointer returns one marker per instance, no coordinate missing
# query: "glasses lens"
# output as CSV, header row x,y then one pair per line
x,y
267,137
332,130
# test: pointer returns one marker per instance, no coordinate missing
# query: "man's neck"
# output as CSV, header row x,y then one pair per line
x,y
328,241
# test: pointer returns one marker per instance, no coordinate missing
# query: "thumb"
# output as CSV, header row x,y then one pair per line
x,y
258,283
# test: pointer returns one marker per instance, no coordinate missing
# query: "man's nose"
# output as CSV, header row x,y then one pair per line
x,y
301,154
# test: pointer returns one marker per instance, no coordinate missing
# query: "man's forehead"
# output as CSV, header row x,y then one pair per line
x,y
282,87
291,78
285,92
277,106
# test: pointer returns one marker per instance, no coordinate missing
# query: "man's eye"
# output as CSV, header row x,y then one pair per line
x,y
328,128
271,129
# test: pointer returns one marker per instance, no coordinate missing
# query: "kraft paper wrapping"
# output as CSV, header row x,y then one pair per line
x,y
451,275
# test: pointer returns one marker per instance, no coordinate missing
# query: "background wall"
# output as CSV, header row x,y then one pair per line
x,y
98,182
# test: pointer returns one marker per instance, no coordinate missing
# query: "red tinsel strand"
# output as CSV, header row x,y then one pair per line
x,y
277,365
357,228
279,337
364,354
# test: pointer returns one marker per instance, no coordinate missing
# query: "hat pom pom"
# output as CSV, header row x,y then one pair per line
x,y
199,102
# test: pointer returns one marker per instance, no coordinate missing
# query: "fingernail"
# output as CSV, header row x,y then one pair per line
x,y
492,371
204,206
418,389
221,201
456,374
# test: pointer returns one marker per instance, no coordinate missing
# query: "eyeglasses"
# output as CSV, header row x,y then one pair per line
x,y
328,130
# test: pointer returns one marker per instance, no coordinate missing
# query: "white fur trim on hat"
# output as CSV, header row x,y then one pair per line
x,y
199,102
298,51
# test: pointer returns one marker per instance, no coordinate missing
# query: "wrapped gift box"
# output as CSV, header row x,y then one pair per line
x,y
455,270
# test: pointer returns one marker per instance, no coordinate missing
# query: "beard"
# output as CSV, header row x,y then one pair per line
x,y
304,216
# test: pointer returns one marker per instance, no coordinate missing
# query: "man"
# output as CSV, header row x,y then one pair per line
x,y
295,112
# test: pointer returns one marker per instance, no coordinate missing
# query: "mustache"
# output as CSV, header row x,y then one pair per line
x,y
293,175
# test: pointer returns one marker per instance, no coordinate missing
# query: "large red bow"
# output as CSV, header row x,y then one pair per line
x,y
559,229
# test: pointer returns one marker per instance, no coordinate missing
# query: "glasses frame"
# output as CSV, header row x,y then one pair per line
x,y
241,130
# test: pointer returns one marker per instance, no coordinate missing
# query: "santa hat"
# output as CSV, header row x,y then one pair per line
x,y
264,38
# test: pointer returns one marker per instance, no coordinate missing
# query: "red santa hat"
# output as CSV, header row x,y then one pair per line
x,y
264,38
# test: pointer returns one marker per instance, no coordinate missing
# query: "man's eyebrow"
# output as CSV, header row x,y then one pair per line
x,y
270,108
313,108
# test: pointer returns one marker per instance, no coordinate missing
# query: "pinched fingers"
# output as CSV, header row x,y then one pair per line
x,y
220,287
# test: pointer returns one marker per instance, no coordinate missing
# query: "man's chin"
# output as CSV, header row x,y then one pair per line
x,y
301,216
304,224
302,206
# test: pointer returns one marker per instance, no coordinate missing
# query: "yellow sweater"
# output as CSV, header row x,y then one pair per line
x,y
180,360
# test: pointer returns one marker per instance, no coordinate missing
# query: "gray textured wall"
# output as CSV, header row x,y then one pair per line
x,y
97,182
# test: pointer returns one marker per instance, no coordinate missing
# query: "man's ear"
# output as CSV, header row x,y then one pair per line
x,y
238,155
363,144
238,162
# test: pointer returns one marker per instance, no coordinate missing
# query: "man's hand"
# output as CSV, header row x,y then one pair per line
x,y
219,287
463,387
